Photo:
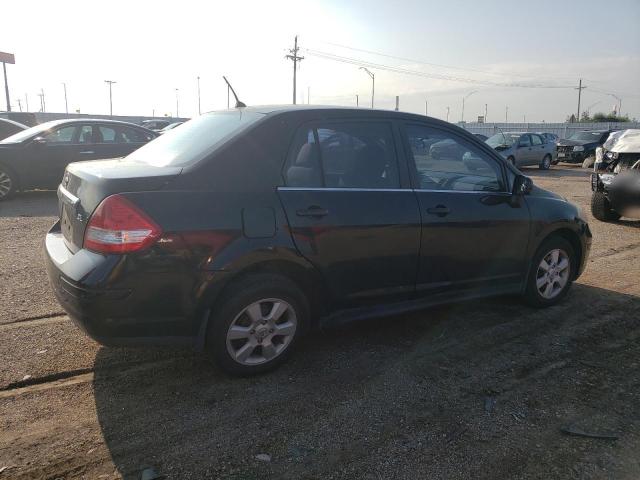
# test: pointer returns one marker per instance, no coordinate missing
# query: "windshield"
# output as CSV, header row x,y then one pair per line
x,y
30,132
195,139
502,139
586,136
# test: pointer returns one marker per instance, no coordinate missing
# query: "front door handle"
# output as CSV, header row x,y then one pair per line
x,y
313,211
439,210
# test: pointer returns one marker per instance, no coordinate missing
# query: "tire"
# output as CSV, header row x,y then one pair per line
x,y
512,161
601,208
560,278
247,307
8,183
546,163
588,162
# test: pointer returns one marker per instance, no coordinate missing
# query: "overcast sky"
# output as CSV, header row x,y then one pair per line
x,y
152,48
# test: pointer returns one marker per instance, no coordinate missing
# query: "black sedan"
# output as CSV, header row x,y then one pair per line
x,y
243,229
36,157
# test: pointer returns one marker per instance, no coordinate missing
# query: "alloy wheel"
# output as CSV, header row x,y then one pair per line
x,y
261,332
5,184
553,273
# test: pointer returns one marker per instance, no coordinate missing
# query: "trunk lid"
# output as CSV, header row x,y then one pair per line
x,y
85,184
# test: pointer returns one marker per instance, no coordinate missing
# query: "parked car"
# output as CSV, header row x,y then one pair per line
x,y
36,157
9,127
616,183
169,127
155,125
581,147
245,228
523,149
554,139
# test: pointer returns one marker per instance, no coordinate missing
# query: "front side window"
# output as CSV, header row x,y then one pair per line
x,y
444,161
536,140
106,135
525,141
343,155
61,135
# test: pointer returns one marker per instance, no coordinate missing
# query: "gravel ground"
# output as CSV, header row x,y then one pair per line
x,y
476,390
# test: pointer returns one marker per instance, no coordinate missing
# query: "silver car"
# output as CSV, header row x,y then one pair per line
x,y
523,148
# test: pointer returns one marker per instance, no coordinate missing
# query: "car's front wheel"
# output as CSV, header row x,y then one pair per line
x,y
601,208
8,183
551,273
257,326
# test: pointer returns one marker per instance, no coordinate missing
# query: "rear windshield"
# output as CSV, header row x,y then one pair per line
x,y
502,140
195,139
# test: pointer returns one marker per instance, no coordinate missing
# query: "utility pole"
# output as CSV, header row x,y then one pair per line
x,y
579,88
448,114
43,105
199,111
308,95
524,119
463,99
177,105
110,82
19,104
6,86
426,108
506,114
26,100
397,102
485,113
373,83
296,58
66,107
227,97
357,100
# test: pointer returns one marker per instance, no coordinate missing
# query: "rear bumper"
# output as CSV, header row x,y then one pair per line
x,y
117,305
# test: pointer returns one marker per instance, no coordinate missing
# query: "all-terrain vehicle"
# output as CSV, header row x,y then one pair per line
x,y
616,180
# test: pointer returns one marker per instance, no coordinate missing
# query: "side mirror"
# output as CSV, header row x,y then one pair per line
x,y
522,185
39,141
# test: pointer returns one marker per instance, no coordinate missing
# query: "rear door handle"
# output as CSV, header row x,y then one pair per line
x,y
313,211
439,210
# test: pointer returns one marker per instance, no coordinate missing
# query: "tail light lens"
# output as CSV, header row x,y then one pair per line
x,y
118,226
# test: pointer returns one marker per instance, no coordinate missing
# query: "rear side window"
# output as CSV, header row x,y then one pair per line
x,y
106,135
343,155
130,135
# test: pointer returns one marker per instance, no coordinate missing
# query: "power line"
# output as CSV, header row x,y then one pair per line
x,y
380,66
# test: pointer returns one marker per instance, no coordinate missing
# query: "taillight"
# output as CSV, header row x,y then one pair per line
x,y
118,226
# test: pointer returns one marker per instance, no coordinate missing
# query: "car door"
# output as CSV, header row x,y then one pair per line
x,y
474,237
49,155
351,210
524,154
539,148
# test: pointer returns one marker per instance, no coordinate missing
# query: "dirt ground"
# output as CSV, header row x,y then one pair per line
x,y
475,390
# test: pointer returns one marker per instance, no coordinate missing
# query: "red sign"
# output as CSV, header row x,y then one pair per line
x,y
7,57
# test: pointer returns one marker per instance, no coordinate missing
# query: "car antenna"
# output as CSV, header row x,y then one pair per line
x,y
239,104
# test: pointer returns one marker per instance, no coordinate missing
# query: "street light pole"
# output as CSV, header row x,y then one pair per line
x,y
373,83
357,100
177,105
463,99
506,114
426,108
447,114
110,82
199,111
66,106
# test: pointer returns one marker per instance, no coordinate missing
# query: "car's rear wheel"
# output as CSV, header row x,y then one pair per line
x,y
255,329
588,162
8,183
512,161
546,163
551,273
601,208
